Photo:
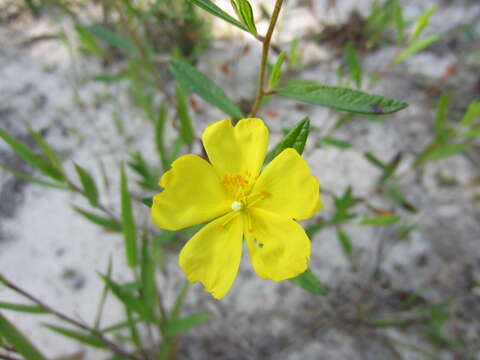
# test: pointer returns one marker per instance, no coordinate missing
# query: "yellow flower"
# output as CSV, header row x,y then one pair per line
x,y
262,208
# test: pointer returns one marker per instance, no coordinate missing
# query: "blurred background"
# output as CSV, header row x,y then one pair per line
x,y
91,78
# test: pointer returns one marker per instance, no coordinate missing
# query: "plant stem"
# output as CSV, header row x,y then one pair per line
x,y
110,344
263,65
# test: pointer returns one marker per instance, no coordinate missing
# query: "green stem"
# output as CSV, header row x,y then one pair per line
x,y
263,65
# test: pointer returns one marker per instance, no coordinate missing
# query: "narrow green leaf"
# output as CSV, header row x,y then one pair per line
x,y
160,122
112,38
441,152
131,302
119,326
442,108
473,133
390,169
421,23
344,242
415,47
216,11
382,220
400,199
354,65
88,184
147,274
310,282
32,179
186,129
30,157
179,326
204,87
342,144
472,113
245,14
296,139
33,309
16,339
84,338
50,154
340,98
133,329
107,223
87,42
276,73
399,21
148,201
374,160
129,230
164,237
177,308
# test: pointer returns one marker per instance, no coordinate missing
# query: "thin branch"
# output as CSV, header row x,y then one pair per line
x,y
111,345
263,65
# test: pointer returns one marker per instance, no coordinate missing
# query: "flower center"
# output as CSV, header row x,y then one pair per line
x,y
237,206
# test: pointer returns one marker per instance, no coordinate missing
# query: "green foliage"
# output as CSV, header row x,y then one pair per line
x,y
129,229
296,139
340,98
186,129
354,65
218,12
107,223
31,158
309,281
421,23
88,184
382,220
345,242
276,73
416,47
81,337
178,326
15,338
204,87
32,309
245,14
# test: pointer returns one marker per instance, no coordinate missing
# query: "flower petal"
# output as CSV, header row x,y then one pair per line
x,y
236,149
192,195
278,246
213,254
288,188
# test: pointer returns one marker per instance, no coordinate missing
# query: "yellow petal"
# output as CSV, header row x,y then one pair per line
x,y
213,254
278,246
192,195
288,188
236,149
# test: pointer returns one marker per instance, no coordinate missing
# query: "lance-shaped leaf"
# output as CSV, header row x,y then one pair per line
x,y
88,184
382,220
186,129
178,326
32,309
30,157
415,47
218,12
296,138
245,14
422,23
129,229
276,71
344,241
310,282
107,223
340,98
81,337
16,339
110,37
200,84
130,301
32,179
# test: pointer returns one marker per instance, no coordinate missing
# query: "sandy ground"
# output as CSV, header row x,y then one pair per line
x,y
47,249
